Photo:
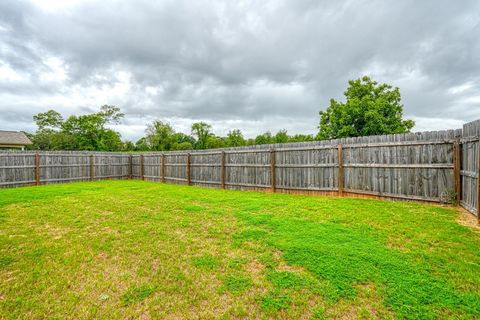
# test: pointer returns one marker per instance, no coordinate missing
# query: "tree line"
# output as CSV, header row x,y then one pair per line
x,y
370,109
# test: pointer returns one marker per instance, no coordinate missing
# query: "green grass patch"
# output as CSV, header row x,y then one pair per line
x,y
236,283
137,294
135,249
275,301
287,280
193,208
207,262
237,263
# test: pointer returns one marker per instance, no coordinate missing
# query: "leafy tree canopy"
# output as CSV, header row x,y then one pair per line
x,y
370,109
83,132
202,132
48,120
235,138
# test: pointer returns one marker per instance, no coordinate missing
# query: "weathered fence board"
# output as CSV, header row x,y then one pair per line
x,y
469,173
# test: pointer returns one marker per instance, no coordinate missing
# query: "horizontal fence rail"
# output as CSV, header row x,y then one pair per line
x,y
441,166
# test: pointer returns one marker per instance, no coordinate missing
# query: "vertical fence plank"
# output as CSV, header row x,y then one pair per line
x,y
189,176
456,171
273,177
142,167
163,168
478,182
130,167
92,169
340,170
222,169
37,169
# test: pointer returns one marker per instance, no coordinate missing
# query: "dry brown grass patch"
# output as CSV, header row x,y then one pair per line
x,y
467,219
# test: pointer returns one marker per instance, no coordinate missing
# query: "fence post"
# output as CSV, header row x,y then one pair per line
x,y
142,167
340,169
222,169
273,177
130,167
163,168
37,169
189,178
92,171
456,171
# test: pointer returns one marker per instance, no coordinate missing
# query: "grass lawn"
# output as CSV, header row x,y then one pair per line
x,y
141,250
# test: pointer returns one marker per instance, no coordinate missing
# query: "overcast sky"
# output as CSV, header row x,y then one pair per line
x,y
253,65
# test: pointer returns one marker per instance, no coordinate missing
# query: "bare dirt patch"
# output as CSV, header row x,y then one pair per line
x,y
467,219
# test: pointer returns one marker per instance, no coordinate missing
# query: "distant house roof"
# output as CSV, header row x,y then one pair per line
x,y
14,138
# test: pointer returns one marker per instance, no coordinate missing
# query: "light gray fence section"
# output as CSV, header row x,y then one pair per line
x,y
470,167
414,170
313,168
19,168
417,166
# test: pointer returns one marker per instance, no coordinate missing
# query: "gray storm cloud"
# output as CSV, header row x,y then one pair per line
x,y
251,65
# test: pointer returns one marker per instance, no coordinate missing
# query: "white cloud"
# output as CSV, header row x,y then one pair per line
x,y
56,5
249,65
432,124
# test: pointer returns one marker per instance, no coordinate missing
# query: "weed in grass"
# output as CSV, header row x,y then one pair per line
x,y
237,263
287,280
236,283
206,262
269,260
216,211
249,234
137,294
103,297
192,208
318,313
5,261
236,312
274,301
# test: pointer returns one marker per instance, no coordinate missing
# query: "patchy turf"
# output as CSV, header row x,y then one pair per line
x,y
133,249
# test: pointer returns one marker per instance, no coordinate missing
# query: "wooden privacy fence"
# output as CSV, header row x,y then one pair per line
x,y
439,166
35,168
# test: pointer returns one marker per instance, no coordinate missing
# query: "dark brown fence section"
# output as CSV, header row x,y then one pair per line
x,y
440,166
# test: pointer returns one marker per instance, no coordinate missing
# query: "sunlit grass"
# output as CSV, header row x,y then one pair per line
x,y
133,249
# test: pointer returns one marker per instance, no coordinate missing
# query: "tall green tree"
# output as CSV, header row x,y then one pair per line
x,y
128,146
214,142
202,132
235,138
370,109
281,137
142,145
265,138
84,132
48,120
160,136
91,131
301,138
183,141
